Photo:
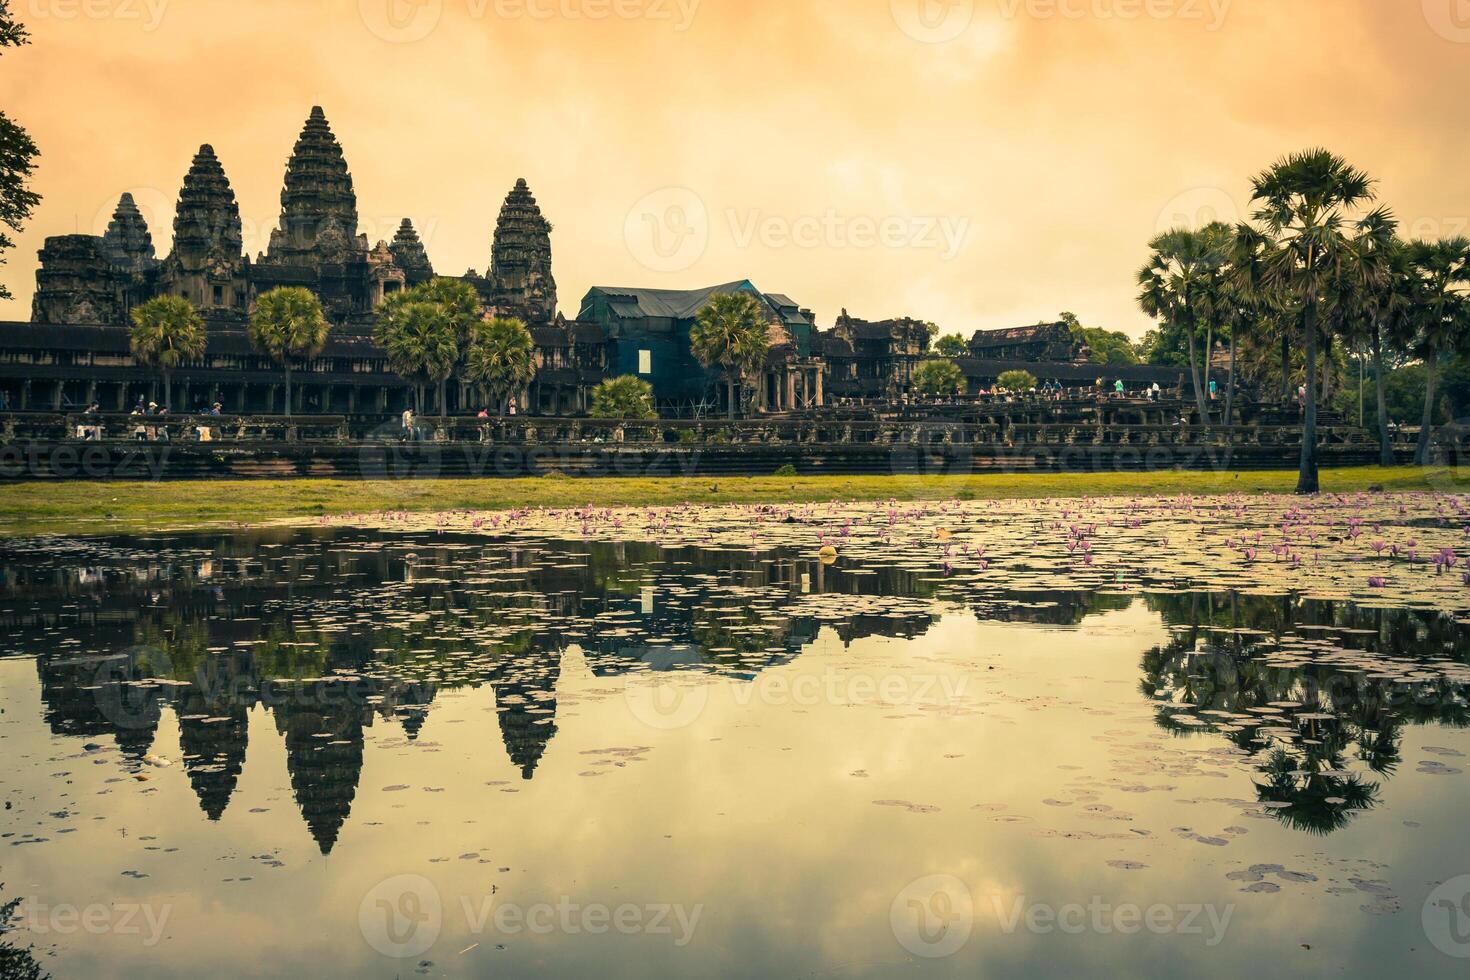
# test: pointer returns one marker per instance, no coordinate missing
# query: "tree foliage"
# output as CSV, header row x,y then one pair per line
x,y
1108,347
166,332
730,330
16,962
426,332
1184,285
951,345
501,359
936,378
419,339
288,323
625,397
18,153
1304,208
1018,382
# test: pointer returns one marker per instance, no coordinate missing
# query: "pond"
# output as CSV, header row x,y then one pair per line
x,y
1025,739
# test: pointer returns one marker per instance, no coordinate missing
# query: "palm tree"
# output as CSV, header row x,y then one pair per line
x,y
1443,315
166,332
420,339
1301,203
288,323
461,307
461,303
625,397
501,359
1182,285
1249,300
730,330
1393,329
1369,291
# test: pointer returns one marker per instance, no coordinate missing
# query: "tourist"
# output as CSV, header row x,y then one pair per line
x,y
140,431
1155,392
1214,388
408,425
1118,390
91,430
4,401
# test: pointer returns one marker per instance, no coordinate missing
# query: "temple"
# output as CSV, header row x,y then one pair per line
x,y
647,333
75,349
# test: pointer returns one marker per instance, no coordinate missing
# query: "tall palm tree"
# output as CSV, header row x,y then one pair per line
x,y
1181,285
1368,292
501,359
1443,271
462,305
1393,331
420,339
166,332
730,330
1249,298
288,323
1303,202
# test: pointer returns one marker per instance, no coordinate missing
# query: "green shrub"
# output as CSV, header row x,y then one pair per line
x,y
1017,381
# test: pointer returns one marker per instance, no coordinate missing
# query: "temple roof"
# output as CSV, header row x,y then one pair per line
x,y
1015,335
675,304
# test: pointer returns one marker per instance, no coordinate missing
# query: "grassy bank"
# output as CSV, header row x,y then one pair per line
x,y
97,508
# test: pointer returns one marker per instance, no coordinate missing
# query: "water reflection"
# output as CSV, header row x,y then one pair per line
x,y
333,631
1318,692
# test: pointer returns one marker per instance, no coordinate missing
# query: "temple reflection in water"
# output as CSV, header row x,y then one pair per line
x,y
331,632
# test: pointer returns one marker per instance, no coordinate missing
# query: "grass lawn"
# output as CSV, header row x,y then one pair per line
x,y
98,508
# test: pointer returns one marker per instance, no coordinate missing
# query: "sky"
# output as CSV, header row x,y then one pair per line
x,y
977,163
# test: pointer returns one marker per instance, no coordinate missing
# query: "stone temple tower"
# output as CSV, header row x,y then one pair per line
x,y
408,252
127,242
207,219
206,266
521,283
318,205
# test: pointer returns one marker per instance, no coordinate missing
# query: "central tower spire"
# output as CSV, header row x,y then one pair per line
x,y
318,205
